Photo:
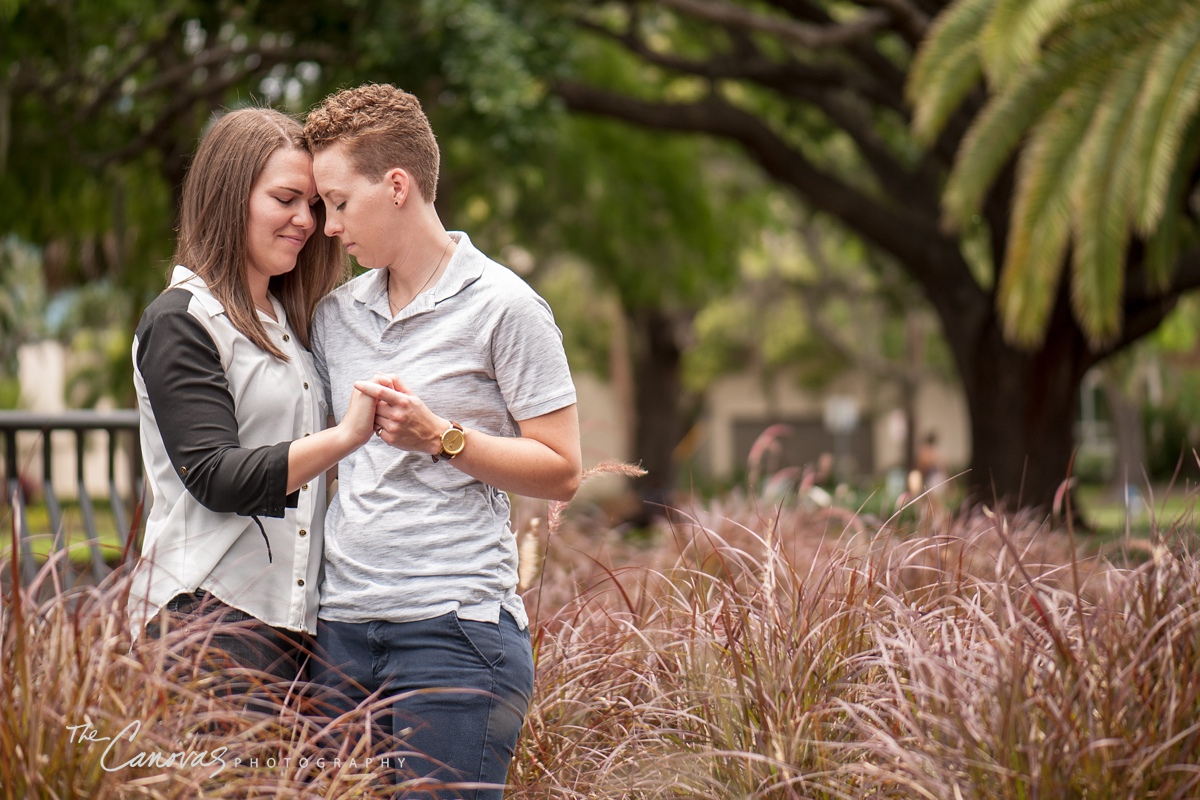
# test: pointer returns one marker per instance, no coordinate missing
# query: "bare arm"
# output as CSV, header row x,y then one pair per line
x,y
544,462
311,455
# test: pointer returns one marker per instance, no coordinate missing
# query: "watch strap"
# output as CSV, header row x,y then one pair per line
x,y
454,426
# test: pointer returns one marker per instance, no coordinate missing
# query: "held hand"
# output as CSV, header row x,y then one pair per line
x,y
401,418
359,422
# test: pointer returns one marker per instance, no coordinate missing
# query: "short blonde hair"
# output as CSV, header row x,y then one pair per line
x,y
383,127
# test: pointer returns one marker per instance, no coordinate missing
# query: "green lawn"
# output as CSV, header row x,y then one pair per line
x,y
1102,506
1155,509
42,539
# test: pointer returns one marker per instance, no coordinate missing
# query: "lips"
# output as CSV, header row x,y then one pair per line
x,y
296,240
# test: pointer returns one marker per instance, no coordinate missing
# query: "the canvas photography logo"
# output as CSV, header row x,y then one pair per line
x,y
85,712
85,734
116,755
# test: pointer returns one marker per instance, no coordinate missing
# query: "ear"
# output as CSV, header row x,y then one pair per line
x,y
400,183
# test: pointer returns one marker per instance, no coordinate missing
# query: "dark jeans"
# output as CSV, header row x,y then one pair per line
x,y
224,638
458,690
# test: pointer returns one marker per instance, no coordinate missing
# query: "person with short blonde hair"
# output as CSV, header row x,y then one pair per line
x,y
474,400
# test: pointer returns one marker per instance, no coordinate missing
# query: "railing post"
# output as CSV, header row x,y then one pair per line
x,y
79,422
114,497
99,568
16,496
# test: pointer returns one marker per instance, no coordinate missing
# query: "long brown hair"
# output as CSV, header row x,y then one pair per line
x,y
214,220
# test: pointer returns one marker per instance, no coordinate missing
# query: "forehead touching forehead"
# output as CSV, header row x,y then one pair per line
x,y
379,128
335,171
290,169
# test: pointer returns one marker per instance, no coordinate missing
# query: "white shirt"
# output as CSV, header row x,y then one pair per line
x,y
218,415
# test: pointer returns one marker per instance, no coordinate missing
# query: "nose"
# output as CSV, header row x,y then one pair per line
x,y
332,226
304,217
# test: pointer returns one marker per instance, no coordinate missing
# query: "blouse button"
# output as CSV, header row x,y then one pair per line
x,y
300,582
287,338
305,487
303,532
183,470
306,384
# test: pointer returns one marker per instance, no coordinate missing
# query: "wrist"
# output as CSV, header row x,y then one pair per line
x,y
434,445
451,442
348,439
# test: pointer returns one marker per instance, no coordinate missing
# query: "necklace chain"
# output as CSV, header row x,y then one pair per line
x,y
393,307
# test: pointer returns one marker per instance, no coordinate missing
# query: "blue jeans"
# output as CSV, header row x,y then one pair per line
x,y
234,639
448,736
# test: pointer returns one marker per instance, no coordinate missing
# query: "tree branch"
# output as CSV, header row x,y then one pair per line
x,y
808,36
913,237
749,63
913,21
276,54
208,92
813,296
1145,311
823,86
1187,272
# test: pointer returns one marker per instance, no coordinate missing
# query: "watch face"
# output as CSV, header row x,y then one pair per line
x,y
453,441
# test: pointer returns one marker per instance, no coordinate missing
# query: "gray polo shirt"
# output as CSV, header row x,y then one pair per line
x,y
406,538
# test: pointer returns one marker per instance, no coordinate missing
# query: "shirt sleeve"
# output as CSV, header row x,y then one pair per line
x,y
316,338
529,359
194,411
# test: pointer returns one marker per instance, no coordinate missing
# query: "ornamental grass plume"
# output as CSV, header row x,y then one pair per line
x,y
83,714
749,649
792,653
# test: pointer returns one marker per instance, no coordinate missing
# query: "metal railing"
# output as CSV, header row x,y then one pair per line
x,y
83,424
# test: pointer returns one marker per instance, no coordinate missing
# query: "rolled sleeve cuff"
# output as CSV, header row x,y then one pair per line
x,y
275,503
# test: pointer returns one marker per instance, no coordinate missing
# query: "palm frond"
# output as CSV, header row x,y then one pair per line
x,y
1100,200
1041,221
1163,247
1000,127
1169,103
947,66
1014,34
1096,99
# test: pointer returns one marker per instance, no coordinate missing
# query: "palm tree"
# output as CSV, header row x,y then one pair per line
x,y
1054,132
1098,100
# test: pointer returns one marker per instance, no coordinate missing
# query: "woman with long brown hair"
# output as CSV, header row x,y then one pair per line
x,y
232,409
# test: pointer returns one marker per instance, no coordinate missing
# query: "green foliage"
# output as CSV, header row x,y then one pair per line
x,y
22,300
112,99
1173,434
1099,103
646,211
584,312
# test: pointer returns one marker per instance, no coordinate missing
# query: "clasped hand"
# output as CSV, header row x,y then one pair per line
x,y
401,418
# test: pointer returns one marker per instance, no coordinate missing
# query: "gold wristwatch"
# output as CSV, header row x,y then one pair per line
x,y
454,439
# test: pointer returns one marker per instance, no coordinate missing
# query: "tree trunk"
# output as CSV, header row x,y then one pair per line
x,y
657,361
1022,405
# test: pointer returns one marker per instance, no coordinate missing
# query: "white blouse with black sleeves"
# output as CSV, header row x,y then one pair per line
x,y
218,415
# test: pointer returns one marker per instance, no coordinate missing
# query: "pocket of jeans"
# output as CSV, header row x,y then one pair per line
x,y
485,638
